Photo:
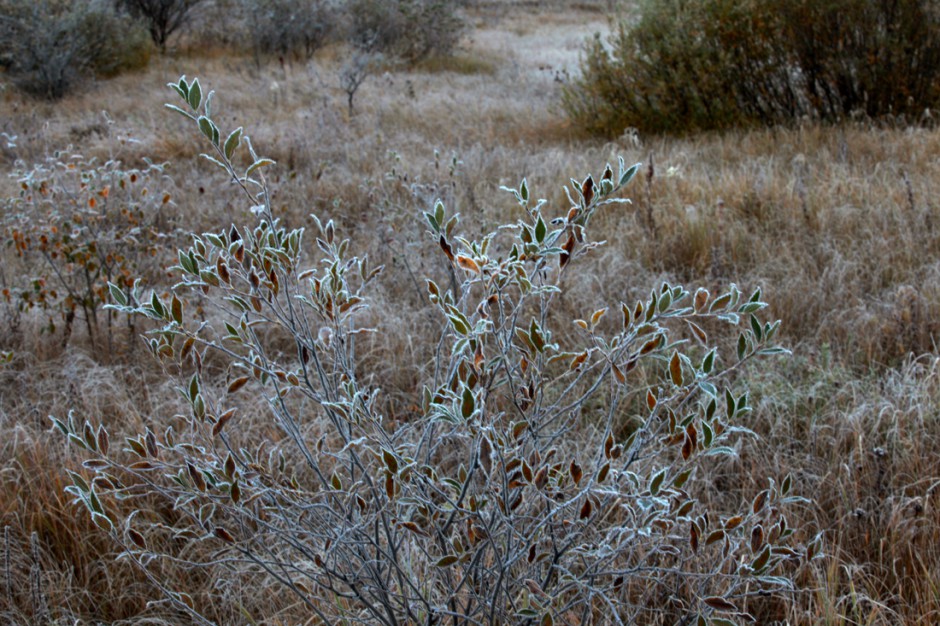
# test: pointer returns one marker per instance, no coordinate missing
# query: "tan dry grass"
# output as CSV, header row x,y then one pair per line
x,y
821,217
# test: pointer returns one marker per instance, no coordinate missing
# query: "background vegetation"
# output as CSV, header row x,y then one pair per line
x,y
687,66
836,222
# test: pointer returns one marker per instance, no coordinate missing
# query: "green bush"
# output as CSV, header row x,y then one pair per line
x,y
49,46
290,27
532,481
410,30
687,66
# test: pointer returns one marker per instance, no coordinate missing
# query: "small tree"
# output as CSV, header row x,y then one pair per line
x,y
163,17
538,480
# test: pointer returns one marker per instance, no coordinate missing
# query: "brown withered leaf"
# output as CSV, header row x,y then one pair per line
x,y
759,501
448,251
137,538
486,455
715,535
587,190
222,421
576,473
541,477
151,442
720,604
693,435
222,270
586,509
618,374
196,476
699,333
757,538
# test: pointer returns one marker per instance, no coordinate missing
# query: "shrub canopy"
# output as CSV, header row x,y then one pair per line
x,y
711,64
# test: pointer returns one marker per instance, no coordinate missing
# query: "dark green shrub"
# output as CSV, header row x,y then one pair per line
x,y
688,66
49,46
410,30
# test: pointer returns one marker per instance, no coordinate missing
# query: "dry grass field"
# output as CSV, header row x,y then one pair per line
x,y
839,226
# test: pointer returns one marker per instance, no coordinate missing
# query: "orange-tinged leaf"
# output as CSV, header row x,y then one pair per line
x,y
586,509
222,421
237,384
187,348
468,264
618,374
701,299
650,400
733,522
578,361
699,333
714,536
596,317
223,534
413,528
675,369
